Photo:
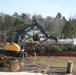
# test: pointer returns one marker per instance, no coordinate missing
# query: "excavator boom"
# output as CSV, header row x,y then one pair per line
x,y
32,25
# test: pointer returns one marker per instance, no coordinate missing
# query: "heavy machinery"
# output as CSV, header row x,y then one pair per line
x,y
13,49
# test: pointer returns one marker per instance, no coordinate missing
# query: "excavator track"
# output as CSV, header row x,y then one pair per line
x,y
13,53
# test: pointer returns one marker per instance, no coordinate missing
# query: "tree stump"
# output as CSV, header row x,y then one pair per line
x,y
69,67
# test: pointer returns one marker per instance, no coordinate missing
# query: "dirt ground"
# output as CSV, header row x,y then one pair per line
x,y
39,64
50,65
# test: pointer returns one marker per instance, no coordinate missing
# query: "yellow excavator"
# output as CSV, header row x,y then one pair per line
x,y
13,49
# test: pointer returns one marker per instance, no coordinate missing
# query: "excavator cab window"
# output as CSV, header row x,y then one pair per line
x,y
11,43
9,39
20,43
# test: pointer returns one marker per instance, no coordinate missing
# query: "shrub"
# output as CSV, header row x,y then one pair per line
x,y
36,37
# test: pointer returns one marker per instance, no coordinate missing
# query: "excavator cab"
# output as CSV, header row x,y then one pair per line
x,y
11,46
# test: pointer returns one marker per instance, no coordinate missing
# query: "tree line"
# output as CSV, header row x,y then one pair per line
x,y
58,26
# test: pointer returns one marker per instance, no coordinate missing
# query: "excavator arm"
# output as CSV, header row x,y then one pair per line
x,y
32,25
43,31
27,28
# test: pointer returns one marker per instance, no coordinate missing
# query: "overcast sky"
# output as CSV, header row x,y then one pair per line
x,y
43,7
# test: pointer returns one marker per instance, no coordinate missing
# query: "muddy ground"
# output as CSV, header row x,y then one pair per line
x,y
49,65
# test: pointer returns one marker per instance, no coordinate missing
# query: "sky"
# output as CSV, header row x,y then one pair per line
x,y
39,7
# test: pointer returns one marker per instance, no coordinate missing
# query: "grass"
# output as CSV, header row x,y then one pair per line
x,y
54,61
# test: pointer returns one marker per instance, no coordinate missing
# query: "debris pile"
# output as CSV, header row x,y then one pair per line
x,y
8,64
